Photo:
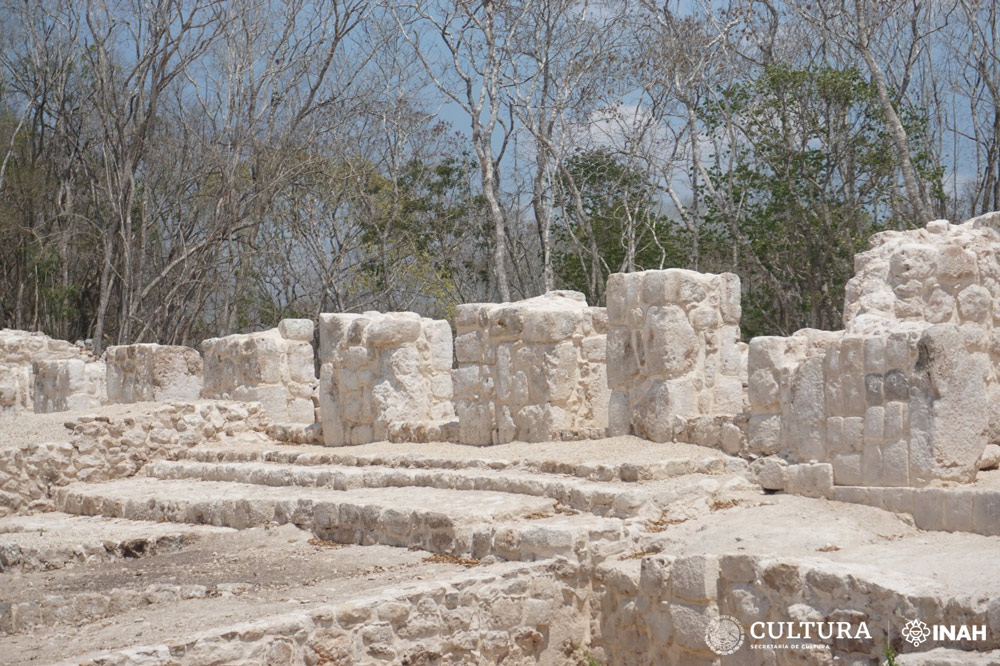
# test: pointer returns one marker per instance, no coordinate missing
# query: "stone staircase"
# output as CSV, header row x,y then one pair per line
x,y
244,551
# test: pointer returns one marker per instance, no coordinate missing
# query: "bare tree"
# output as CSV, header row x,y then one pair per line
x,y
467,66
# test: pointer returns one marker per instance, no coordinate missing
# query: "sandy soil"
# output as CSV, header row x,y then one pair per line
x,y
250,574
29,428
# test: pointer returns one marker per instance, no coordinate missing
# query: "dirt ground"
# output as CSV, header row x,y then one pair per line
x,y
248,574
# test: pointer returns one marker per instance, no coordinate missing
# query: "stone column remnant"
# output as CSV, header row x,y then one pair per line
x,y
62,385
153,373
18,352
675,359
533,370
385,376
273,367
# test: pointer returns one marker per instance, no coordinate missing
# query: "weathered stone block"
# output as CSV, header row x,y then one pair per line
x,y
68,385
681,327
389,376
268,367
150,372
535,370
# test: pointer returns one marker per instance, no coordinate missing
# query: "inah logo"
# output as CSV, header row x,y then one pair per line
x,y
916,632
724,635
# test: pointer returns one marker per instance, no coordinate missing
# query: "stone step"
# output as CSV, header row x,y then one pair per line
x,y
946,657
467,617
954,509
47,541
586,460
602,499
277,567
466,523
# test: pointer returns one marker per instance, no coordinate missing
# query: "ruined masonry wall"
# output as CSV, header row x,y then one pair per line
x,y
862,404
515,615
943,273
385,377
675,360
99,448
18,351
68,384
156,373
655,611
274,367
909,393
532,371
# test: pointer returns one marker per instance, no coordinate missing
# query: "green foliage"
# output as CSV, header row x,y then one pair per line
x,y
890,654
617,201
812,174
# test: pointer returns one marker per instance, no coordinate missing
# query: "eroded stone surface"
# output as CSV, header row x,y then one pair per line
x,y
63,387
532,371
675,360
155,373
268,367
385,376
908,393
68,385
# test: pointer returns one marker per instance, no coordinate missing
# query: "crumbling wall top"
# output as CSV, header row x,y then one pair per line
x,y
942,273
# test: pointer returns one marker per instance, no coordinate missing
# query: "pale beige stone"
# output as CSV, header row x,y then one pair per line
x,y
156,373
673,349
268,367
388,376
536,370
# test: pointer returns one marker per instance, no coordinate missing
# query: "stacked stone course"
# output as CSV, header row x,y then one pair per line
x,y
68,384
273,367
151,372
385,377
657,611
100,448
19,350
532,371
909,393
675,360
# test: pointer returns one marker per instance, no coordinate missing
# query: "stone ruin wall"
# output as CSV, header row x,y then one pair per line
x,y
907,395
153,373
19,350
655,611
62,385
385,377
273,367
532,371
101,448
676,366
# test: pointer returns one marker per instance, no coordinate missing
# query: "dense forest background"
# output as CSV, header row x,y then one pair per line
x,y
172,170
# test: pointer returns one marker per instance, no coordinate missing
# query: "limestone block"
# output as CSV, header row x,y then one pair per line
x,y
297,329
388,376
68,385
150,372
673,350
15,388
18,351
810,479
770,472
535,370
695,578
274,367
986,512
990,458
